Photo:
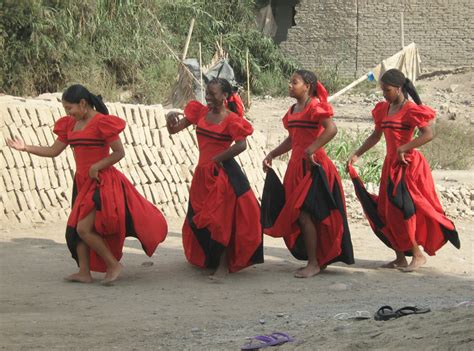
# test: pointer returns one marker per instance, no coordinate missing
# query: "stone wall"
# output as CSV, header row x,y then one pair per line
x,y
355,35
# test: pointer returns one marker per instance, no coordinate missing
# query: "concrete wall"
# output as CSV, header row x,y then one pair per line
x,y
357,34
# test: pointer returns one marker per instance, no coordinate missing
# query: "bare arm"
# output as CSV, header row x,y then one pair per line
x,y
281,149
330,130
117,154
426,135
369,143
43,151
174,124
234,150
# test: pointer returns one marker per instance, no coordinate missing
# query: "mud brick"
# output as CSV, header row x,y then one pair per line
x,y
49,136
151,118
62,197
45,116
46,180
41,137
21,173
186,174
155,194
30,176
182,193
167,191
135,135
6,202
25,118
37,199
163,156
53,177
148,137
32,138
3,186
23,217
112,109
160,116
135,177
175,171
13,131
20,197
141,174
45,200
15,178
13,200
61,179
141,135
127,135
5,115
150,175
165,138
45,215
150,158
158,174
156,137
141,156
3,162
35,217
30,202
18,159
179,211
8,154
128,113
56,113
147,191
133,156
15,115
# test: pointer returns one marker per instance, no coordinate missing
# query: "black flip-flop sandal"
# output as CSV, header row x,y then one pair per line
x,y
385,313
409,310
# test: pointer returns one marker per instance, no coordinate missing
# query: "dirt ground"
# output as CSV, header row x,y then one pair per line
x,y
163,303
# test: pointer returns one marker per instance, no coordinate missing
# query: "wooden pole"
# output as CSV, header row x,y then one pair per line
x,y
188,39
200,71
402,29
248,76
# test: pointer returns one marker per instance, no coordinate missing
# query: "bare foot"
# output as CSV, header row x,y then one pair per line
x,y
398,263
307,272
415,263
79,278
112,274
219,275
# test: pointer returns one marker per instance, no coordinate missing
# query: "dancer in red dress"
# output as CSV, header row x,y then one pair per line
x,y
106,206
308,210
222,228
235,103
407,212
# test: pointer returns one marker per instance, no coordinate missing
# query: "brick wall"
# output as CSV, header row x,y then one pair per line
x,y
37,189
357,34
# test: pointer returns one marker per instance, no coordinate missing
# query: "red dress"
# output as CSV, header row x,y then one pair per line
x,y
407,209
316,190
223,212
120,210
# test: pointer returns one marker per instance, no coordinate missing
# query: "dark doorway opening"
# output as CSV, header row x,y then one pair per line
x,y
284,13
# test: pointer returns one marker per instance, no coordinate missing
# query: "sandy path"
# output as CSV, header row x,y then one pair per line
x,y
171,305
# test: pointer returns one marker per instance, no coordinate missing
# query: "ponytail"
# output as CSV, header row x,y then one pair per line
x,y
75,93
408,88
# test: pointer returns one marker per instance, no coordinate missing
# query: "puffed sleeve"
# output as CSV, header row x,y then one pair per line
x,y
110,127
420,115
193,111
321,110
239,128
378,113
62,126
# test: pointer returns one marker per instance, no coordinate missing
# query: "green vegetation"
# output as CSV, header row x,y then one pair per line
x,y
117,46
